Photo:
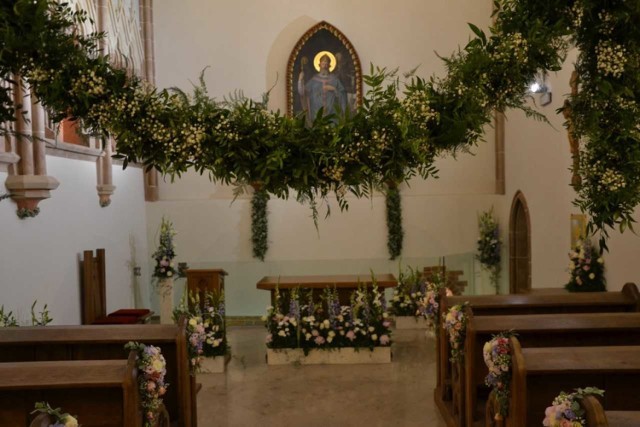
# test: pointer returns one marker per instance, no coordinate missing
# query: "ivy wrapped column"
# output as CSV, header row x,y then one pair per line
x,y
259,221
395,233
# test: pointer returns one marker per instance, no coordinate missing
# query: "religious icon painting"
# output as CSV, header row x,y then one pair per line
x,y
323,74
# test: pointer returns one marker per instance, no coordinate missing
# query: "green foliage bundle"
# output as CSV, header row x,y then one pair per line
x,y
7,319
395,233
489,246
259,223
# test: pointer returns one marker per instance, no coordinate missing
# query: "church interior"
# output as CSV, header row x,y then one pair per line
x,y
492,281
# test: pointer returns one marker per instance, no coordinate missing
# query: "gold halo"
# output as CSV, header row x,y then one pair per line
x,y
316,60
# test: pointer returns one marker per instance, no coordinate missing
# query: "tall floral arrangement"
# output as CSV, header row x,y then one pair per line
x,y
152,369
411,288
455,324
206,326
489,246
303,323
165,253
586,269
566,411
497,357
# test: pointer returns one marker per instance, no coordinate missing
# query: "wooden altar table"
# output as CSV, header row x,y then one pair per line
x,y
345,284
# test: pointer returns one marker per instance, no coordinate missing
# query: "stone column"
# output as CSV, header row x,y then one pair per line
x,y
105,174
28,182
151,193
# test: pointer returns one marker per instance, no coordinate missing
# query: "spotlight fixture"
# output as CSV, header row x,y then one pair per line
x,y
539,86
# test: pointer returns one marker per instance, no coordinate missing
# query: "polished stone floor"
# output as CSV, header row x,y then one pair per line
x,y
254,394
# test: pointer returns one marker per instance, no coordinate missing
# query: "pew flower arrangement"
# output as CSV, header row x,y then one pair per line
x,y
151,372
497,357
455,325
206,327
586,269
56,415
309,325
489,246
7,319
429,304
165,253
566,411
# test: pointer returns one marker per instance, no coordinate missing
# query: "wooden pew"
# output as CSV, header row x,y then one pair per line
x,y
627,300
100,392
538,374
596,416
539,330
96,342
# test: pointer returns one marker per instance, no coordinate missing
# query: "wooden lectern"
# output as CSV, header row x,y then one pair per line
x,y
202,281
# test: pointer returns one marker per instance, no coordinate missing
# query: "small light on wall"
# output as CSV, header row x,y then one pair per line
x,y
539,85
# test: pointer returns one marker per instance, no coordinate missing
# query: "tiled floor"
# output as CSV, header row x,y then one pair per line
x,y
254,394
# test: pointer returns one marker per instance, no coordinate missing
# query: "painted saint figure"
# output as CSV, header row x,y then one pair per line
x,y
323,90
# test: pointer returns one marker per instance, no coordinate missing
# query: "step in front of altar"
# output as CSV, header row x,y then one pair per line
x,y
214,365
411,322
337,356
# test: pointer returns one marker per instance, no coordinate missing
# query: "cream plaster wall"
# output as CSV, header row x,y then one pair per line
x,y
538,159
39,256
247,45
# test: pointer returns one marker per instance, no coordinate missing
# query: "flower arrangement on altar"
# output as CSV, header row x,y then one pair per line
x,y
296,321
59,418
489,246
206,326
586,269
497,357
151,372
566,411
455,324
165,253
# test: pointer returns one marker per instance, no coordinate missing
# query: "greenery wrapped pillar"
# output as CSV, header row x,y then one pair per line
x,y
259,221
395,233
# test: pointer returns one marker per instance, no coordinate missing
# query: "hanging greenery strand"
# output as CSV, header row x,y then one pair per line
x,y
395,232
259,222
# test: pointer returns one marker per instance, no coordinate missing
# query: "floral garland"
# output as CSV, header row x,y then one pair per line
x,y
429,304
586,269
152,369
59,418
566,410
165,253
387,139
206,327
307,325
259,222
455,325
497,357
489,246
395,233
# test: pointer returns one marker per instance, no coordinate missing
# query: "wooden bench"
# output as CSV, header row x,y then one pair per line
x,y
100,392
538,374
561,302
538,330
596,416
96,342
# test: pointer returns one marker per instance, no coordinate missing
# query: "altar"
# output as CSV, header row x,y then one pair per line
x,y
345,284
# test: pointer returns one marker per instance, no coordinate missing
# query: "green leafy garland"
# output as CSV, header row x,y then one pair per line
x,y
259,222
387,139
395,233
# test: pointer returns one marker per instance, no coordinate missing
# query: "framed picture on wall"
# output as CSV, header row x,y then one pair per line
x,y
323,74
578,228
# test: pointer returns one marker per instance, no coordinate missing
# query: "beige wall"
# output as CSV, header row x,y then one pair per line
x,y
39,256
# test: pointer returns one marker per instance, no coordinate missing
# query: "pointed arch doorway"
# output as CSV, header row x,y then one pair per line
x,y
519,246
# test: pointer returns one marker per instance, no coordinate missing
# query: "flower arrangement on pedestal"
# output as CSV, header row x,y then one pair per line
x,y
206,327
489,245
410,290
165,253
497,357
586,269
56,415
566,409
309,325
455,323
152,369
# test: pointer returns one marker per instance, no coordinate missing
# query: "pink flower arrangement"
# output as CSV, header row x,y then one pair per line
x,y
151,383
497,357
566,411
455,324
